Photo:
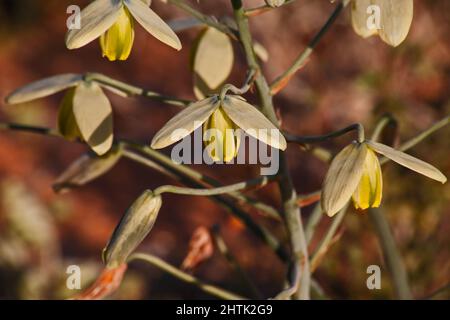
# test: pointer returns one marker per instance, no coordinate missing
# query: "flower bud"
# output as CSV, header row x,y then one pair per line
x,y
134,226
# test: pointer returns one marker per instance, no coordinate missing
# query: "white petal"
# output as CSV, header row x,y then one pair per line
x,y
253,122
396,19
93,114
185,122
96,18
151,22
408,161
43,88
343,177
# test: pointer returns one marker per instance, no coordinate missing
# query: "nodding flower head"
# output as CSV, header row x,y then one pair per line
x,y
355,173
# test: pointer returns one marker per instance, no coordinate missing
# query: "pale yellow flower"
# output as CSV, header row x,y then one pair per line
x,y
113,22
230,113
85,112
356,173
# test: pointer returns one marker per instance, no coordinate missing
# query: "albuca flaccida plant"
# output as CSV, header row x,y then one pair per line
x,y
230,118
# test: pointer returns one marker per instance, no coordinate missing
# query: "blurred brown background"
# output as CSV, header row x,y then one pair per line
x,y
348,79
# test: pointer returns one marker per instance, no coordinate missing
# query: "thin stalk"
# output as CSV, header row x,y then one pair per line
x,y
291,210
321,138
391,254
183,276
208,20
261,181
130,90
281,81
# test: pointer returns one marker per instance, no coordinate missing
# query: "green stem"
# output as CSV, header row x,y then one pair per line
x,y
183,276
391,255
299,62
261,181
130,90
315,139
291,210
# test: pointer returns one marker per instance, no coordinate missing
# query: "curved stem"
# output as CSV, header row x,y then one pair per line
x,y
261,181
130,90
315,139
183,276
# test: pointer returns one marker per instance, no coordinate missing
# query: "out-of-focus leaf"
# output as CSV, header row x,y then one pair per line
x,y
201,248
86,168
134,226
106,284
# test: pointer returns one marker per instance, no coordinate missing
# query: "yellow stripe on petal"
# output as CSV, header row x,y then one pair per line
x,y
369,191
117,42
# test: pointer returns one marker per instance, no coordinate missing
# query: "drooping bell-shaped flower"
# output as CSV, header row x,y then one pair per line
x,y
355,173
230,112
85,112
113,22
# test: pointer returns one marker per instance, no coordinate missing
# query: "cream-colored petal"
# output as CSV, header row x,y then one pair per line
x,y
213,59
343,177
44,88
408,161
396,19
253,122
151,22
360,18
96,18
85,169
93,114
185,122
369,191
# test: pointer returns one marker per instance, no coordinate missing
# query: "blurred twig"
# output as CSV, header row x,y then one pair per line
x,y
282,80
391,255
232,261
183,276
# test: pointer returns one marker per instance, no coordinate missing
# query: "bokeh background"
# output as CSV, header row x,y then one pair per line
x,y
347,80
